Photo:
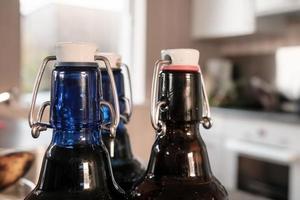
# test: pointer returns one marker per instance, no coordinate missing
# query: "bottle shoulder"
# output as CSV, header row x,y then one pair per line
x,y
78,170
186,188
63,195
80,151
179,142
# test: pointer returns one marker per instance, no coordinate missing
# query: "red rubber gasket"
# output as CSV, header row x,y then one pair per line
x,y
185,68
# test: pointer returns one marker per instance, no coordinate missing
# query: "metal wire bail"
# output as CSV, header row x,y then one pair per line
x,y
156,105
206,117
36,125
127,98
115,111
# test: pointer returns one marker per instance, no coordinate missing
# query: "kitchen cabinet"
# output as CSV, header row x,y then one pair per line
x,y
214,153
213,139
226,18
276,7
212,19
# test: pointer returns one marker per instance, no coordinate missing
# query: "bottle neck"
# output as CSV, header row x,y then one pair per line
x,y
180,152
83,136
181,91
75,104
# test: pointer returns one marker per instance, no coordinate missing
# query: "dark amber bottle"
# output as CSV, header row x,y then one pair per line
x,y
127,170
179,167
76,165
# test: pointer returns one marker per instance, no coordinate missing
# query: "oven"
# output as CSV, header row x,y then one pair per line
x,y
264,178
266,165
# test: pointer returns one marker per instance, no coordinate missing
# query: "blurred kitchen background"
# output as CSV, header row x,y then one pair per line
x,y
249,54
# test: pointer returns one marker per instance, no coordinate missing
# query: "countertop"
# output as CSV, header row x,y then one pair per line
x,y
239,195
250,114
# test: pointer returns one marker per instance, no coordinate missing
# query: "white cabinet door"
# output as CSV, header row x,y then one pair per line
x,y
214,156
213,139
215,18
273,7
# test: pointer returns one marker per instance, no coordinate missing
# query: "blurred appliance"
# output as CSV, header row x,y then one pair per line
x,y
256,82
218,78
263,158
218,75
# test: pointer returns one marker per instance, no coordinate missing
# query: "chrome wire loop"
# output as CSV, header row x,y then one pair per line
x,y
157,124
206,116
115,118
38,126
112,130
128,98
160,124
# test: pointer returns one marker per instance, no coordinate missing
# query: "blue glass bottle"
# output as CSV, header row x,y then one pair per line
x,y
127,170
76,164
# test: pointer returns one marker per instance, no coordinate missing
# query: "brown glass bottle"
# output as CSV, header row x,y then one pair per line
x,y
179,167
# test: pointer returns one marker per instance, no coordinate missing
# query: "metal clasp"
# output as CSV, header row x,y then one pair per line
x,y
128,97
206,116
115,111
156,105
37,125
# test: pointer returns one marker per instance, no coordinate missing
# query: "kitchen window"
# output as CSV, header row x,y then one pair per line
x,y
288,70
109,24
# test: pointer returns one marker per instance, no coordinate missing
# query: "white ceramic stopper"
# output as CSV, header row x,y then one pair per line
x,y
181,56
113,58
75,52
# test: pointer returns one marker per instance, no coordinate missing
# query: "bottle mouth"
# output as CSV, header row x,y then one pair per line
x,y
182,68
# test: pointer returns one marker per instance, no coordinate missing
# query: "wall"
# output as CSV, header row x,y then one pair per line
x,y
10,44
168,26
